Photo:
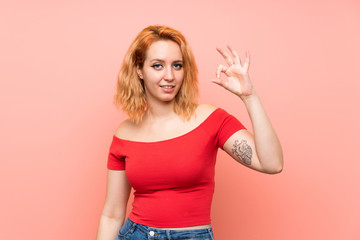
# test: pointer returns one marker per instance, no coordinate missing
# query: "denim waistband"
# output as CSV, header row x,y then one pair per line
x,y
156,233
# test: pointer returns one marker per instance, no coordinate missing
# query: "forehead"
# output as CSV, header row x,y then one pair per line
x,y
164,49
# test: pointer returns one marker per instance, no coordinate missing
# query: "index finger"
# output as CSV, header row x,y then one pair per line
x,y
235,55
225,55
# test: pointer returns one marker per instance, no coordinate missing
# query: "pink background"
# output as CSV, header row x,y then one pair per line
x,y
58,66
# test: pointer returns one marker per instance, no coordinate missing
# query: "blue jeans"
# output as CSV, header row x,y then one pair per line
x,y
131,230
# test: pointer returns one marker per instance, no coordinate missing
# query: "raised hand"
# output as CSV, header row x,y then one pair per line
x,y
237,78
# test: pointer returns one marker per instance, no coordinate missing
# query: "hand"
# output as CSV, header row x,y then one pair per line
x,y
237,78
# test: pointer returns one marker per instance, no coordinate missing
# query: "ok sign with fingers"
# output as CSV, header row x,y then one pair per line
x,y
237,78
261,151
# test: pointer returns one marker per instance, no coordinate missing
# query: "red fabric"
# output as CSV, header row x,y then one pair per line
x,y
174,179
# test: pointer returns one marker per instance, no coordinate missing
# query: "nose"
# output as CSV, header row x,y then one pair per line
x,y
169,75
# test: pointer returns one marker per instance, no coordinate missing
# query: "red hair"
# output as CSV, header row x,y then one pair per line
x,y
130,93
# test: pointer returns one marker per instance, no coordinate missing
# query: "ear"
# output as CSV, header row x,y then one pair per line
x,y
139,71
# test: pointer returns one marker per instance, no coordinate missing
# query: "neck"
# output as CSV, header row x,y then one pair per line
x,y
160,111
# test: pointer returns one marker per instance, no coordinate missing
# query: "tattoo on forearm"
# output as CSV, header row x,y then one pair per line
x,y
243,151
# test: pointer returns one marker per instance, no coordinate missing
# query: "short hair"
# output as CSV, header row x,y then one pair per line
x,y
130,92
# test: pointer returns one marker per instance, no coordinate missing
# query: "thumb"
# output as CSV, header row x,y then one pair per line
x,y
217,81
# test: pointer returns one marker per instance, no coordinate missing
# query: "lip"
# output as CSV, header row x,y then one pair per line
x,y
167,90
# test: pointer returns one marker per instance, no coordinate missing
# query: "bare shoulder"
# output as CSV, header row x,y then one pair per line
x,y
204,110
125,129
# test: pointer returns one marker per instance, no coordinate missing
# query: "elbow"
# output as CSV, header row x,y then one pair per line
x,y
275,168
113,213
279,163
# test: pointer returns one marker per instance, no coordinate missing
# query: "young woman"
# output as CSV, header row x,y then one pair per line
x,y
167,148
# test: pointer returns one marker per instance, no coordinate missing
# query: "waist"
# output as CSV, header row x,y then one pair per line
x,y
170,210
187,228
175,233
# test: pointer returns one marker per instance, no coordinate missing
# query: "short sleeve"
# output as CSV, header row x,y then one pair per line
x,y
115,159
228,127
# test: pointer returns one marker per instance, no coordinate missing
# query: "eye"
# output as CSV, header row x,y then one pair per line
x,y
157,66
177,66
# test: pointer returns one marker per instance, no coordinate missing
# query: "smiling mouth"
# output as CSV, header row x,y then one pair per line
x,y
167,87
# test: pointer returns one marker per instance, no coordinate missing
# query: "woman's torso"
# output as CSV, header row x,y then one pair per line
x,y
171,167
163,131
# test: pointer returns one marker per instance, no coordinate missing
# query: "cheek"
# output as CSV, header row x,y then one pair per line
x,y
180,76
152,76
150,84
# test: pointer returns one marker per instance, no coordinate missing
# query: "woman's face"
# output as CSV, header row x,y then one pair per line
x,y
162,71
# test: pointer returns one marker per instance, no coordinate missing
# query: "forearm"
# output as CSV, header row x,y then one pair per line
x,y
267,145
109,227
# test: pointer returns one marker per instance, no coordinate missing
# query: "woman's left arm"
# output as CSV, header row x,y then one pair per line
x,y
261,151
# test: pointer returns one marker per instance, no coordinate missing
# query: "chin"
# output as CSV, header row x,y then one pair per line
x,y
168,99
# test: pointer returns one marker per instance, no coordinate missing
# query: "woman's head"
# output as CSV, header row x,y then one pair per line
x,y
130,93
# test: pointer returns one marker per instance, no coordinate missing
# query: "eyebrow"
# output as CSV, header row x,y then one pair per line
x,y
161,60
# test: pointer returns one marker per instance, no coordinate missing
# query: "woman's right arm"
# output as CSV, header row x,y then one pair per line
x,y
114,211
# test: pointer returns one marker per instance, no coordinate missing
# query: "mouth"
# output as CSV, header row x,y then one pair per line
x,y
167,86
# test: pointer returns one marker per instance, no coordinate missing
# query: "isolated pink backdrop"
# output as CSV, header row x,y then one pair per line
x,y
58,66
